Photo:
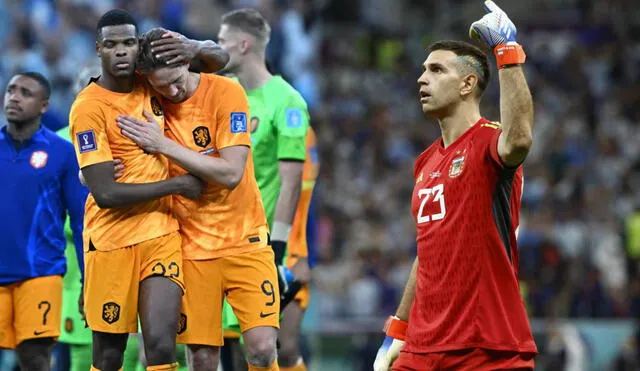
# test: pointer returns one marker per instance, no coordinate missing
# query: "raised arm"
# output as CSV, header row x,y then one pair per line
x,y
204,56
497,31
516,116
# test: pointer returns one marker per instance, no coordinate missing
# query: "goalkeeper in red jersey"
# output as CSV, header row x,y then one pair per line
x,y
462,308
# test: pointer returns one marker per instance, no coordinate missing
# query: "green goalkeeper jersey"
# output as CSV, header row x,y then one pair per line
x,y
279,124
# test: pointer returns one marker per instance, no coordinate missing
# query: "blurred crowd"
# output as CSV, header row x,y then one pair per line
x,y
580,224
356,63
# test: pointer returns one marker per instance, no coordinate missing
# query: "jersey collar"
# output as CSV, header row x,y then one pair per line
x,y
455,143
39,137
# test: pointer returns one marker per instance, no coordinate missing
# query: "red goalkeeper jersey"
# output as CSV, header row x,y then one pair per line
x,y
466,205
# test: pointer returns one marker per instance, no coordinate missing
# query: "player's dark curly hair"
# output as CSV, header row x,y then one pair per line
x,y
114,17
148,62
472,57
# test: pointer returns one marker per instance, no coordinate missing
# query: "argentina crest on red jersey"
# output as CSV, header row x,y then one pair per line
x,y
457,165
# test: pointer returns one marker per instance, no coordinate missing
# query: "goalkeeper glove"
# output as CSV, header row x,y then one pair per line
x,y
285,276
497,31
395,328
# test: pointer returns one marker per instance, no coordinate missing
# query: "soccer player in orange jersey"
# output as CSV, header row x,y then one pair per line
x,y
283,149
225,234
132,247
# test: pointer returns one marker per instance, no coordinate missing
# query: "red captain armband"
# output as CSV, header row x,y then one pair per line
x,y
509,54
395,327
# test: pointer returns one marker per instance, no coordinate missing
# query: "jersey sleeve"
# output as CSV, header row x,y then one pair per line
x,y
417,165
89,134
292,124
493,152
232,118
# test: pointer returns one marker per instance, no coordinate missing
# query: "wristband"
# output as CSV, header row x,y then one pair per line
x,y
395,327
280,231
509,54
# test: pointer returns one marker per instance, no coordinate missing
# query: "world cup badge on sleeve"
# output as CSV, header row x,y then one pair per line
x,y
86,141
238,122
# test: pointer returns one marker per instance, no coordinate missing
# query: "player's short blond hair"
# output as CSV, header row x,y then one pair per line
x,y
249,21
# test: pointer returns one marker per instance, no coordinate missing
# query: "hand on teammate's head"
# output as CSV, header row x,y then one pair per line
x,y
173,48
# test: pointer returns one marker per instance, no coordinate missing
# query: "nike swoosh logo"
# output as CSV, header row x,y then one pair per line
x,y
265,315
38,333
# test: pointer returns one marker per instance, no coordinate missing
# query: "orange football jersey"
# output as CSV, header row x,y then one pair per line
x,y
222,222
97,138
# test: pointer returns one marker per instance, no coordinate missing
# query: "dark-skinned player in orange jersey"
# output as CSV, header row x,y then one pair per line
x,y
133,261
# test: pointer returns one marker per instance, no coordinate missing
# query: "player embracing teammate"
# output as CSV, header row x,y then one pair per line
x,y
125,116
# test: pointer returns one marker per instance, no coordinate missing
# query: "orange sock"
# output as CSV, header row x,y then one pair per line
x,y
167,367
273,367
97,369
299,367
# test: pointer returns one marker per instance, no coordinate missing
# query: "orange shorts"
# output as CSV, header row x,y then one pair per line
x,y
475,359
250,283
30,309
112,280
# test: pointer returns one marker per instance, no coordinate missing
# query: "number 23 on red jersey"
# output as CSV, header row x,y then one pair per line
x,y
432,204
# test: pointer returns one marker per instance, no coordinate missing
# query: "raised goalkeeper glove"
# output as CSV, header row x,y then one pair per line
x,y
395,328
499,33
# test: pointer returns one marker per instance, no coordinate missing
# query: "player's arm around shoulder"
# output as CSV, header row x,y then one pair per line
x,y
226,130
498,32
204,56
93,149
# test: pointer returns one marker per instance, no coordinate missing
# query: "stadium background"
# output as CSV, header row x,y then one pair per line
x,y
356,63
